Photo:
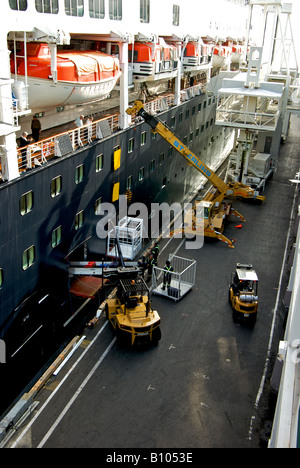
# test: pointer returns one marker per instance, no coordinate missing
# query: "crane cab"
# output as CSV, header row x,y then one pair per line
x,y
243,293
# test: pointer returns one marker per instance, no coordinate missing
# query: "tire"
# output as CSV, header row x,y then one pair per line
x,y
156,336
106,311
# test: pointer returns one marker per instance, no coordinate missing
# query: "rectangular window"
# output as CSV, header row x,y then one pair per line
x,y
130,145
79,218
173,122
176,15
20,5
26,203
187,114
164,182
79,172
55,187
129,182
74,7
141,174
56,237
28,257
46,6
161,158
98,203
115,10
152,165
145,11
191,136
143,138
170,152
99,162
180,117
199,107
97,9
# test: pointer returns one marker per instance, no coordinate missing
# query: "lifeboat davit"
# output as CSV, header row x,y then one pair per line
x,y
82,76
153,61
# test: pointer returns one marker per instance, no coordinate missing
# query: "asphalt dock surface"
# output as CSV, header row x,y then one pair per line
x,y
207,383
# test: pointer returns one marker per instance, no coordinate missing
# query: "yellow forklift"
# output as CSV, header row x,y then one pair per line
x,y
130,312
128,308
243,293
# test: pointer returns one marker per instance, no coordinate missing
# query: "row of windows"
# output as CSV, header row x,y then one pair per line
x,y
29,255
201,106
152,166
186,140
27,199
96,8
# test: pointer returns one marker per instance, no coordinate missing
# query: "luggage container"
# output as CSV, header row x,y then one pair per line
x,y
130,235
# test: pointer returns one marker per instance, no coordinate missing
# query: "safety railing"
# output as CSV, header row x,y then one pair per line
x,y
248,119
37,154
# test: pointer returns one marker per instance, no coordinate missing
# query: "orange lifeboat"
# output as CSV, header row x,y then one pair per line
x,y
195,55
237,53
221,56
153,61
82,76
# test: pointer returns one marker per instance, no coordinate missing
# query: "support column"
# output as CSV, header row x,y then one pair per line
x,y
53,50
8,149
124,102
178,80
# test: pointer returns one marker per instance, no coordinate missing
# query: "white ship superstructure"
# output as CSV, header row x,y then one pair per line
x,y
113,25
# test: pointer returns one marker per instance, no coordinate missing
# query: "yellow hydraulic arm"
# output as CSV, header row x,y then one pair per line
x,y
231,189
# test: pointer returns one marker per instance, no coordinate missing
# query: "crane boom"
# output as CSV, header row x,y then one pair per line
x,y
231,189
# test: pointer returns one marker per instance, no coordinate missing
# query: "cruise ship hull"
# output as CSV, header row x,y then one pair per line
x,y
36,302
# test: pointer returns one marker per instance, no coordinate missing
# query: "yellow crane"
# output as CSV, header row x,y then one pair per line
x,y
215,208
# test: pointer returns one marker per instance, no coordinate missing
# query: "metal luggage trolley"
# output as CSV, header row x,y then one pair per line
x,y
182,278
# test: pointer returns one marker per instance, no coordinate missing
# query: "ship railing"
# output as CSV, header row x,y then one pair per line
x,y
156,106
63,144
192,91
164,103
39,153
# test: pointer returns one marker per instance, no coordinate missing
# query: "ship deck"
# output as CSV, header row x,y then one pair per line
x,y
207,383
